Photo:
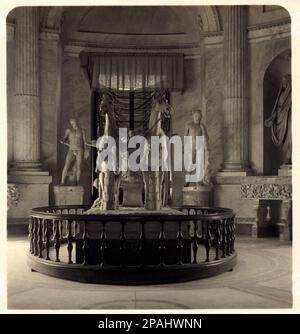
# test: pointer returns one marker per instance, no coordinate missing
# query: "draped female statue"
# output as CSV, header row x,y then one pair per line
x,y
280,119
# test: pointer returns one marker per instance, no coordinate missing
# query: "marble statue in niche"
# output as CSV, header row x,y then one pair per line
x,y
280,119
196,128
75,139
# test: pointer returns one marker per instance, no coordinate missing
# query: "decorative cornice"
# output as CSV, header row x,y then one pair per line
x,y
230,180
49,35
256,35
213,40
270,24
73,48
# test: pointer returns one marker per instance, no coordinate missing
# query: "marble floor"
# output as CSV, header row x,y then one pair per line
x,y
261,279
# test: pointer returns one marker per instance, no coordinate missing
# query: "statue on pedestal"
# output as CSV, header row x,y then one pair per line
x,y
196,128
280,119
74,138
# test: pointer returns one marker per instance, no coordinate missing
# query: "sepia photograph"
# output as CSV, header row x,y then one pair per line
x,y
149,157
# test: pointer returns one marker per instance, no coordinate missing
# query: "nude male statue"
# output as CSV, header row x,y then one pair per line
x,y
76,143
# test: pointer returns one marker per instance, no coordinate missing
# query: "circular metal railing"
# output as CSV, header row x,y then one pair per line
x,y
190,243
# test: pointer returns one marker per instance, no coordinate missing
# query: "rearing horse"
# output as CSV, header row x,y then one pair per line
x,y
154,181
107,180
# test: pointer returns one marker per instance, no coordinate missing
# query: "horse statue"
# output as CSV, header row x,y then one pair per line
x,y
108,181
156,183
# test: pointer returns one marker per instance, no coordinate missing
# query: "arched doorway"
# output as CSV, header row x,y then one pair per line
x,y
277,69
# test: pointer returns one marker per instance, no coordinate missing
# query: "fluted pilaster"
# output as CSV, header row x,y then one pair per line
x,y
235,106
27,102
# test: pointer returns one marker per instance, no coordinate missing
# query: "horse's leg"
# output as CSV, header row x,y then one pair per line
x,y
145,188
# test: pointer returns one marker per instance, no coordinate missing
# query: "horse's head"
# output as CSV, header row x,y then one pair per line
x,y
160,105
107,109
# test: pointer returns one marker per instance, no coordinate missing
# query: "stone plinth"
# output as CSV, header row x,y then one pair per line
x,y
68,195
132,193
285,170
250,197
33,191
197,195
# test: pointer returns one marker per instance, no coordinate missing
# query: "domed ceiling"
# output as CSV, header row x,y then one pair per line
x,y
138,26
132,20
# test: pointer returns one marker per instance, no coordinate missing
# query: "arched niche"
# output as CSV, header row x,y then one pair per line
x,y
180,24
279,66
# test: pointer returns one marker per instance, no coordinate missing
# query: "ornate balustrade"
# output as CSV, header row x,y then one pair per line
x,y
131,249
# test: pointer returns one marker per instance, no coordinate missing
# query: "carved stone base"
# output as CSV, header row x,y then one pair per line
x,y
132,193
32,191
68,195
285,170
285,224
198,195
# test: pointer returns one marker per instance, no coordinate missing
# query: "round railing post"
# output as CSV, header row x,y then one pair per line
x,y
35,237
179,243
103,246
162,246
195,241
40,237
142,244
207,240
57,239
69,241
122,244
30,235
223,242
232,235
47,238
85,243
217,238
228,236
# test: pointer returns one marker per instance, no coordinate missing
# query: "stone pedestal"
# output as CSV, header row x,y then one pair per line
x,y
33,191
285,170
197,195
285,223
68,195
263,191
132,193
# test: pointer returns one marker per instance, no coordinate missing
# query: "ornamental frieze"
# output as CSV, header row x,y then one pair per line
x,y
266,191
13,195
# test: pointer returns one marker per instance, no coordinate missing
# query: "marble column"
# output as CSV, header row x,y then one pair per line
x,y
235,105
27,102
25,173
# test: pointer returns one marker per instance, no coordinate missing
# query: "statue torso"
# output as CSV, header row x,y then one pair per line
x,y
195,129
76,139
